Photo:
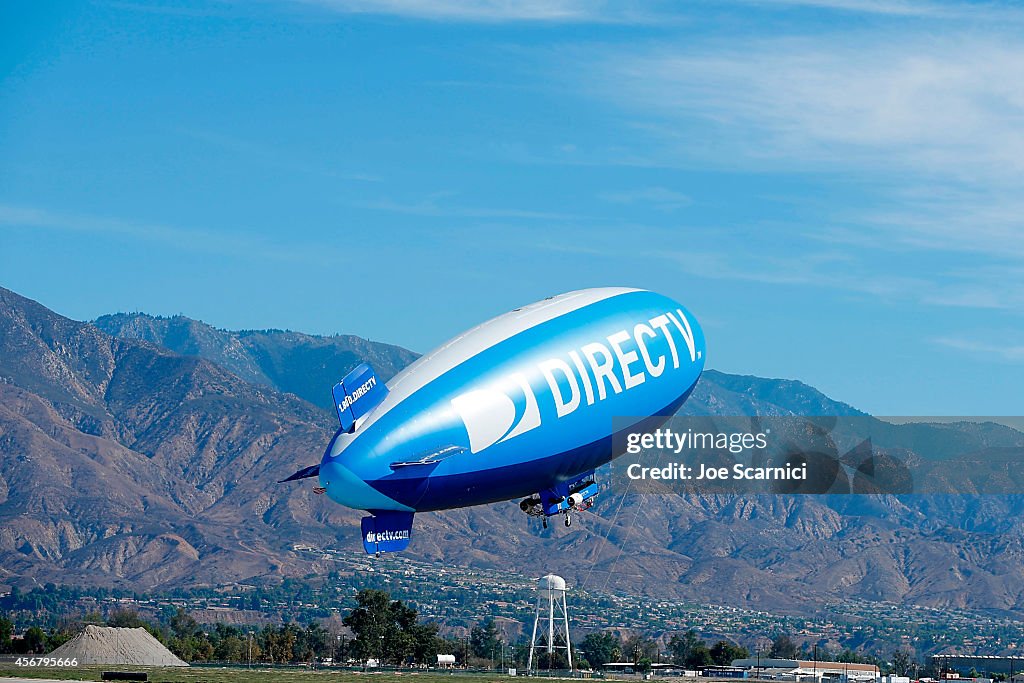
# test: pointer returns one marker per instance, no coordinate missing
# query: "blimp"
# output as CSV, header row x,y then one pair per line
x,y
521,406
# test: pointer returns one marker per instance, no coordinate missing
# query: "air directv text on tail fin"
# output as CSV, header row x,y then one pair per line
x,y
357,394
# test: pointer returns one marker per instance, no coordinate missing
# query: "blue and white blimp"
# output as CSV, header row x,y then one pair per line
x,y
520,406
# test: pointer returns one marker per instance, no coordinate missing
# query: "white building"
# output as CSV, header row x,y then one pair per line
x,y
806,670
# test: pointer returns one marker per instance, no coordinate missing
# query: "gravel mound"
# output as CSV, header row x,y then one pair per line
x,y
109,645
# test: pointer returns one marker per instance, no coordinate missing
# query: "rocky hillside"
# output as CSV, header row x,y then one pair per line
x,y
308,365
301,364
125,462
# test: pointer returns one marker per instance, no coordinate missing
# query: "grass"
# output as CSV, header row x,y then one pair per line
x,y
242,675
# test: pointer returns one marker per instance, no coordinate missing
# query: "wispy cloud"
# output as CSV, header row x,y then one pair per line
x,y
1011,351
896,8
489,11
434,205
822,269
950,106
642,12
725,254
14,217
925,127
660,198
269,155
982,223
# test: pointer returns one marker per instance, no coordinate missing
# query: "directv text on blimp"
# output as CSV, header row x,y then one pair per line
x,y
856,454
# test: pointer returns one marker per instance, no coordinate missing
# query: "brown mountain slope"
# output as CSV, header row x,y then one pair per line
x,y
124,463
302,364
115,451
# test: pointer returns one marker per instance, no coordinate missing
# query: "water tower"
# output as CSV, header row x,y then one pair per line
x,y
551,594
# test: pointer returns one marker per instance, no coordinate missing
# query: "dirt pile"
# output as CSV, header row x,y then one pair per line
x,y
109,645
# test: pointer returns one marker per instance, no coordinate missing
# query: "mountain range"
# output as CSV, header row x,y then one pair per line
x,y
143,452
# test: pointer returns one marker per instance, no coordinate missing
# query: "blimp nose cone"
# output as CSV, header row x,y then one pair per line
x,y
345,487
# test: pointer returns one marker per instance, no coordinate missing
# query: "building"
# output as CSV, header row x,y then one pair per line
x,y
983,665
806,670
659,668
725,672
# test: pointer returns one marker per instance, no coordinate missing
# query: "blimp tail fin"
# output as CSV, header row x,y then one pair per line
x,y
357,394
304,473
386,531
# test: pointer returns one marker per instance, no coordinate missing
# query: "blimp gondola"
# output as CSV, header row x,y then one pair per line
x,y
521,406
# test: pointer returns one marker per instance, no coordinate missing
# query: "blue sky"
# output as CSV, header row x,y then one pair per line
x,y
833,187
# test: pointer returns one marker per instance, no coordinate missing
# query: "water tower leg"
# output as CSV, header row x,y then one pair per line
x,y
533,638
551,625
568,642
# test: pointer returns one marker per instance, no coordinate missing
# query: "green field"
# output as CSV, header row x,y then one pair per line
x,y
241,675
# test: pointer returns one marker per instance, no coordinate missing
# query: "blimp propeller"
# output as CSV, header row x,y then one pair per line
x,y
562,499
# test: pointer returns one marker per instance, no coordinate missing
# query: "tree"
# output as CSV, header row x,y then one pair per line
x,y
187,639
723,652
201,648
600,648
699,658
901,663
56,638
126,618
268,640
92,617
639,647
6,629
426,644
231,648
521,653
286,643
783,647
35,640
680,646
484,641
383,627
690,651
183,625
551,660
848,655
312,642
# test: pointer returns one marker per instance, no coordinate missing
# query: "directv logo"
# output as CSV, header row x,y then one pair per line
x,y
598,367
492,415
358,393
385,536
584,376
